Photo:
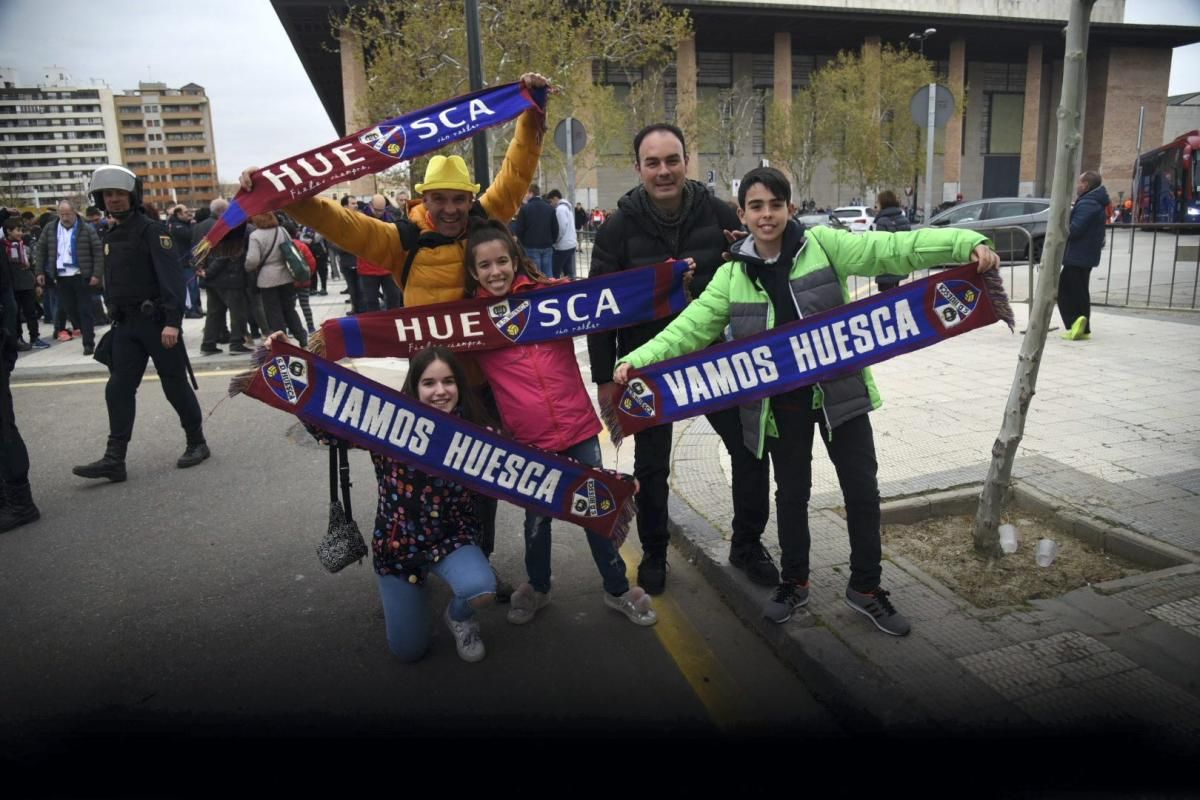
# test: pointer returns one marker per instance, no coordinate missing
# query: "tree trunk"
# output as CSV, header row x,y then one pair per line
x,y
1012,428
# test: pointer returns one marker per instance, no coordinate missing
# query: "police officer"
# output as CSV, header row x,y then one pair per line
x,y
144,286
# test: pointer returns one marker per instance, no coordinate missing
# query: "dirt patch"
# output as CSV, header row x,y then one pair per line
x,y
943,547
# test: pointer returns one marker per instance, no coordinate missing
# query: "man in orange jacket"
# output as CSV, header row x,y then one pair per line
x,y
424,252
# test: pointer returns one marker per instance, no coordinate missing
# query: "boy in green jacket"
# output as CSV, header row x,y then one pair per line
x,y
778,274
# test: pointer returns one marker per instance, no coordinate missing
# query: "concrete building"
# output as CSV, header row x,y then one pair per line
x,y
166,137
1004,57
1183,115
53,135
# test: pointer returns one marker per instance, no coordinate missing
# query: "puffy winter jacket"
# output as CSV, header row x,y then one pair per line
x,y
1086,237
538,388
88,254
628,239
817,281
437,274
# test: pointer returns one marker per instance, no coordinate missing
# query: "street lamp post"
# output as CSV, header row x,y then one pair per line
x,y
930,130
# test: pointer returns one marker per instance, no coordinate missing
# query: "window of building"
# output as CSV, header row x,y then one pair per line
x,y
1006,115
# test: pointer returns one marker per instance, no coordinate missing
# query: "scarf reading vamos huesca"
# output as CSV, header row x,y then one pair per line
x,y
372,150
828,345
378,418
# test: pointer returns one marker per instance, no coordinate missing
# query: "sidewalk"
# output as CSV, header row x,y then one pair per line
x,y
64,360
1113,431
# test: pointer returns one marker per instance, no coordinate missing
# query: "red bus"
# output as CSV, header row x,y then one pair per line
x,y
1165,182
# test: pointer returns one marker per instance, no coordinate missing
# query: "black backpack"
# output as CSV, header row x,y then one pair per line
x,y
413,239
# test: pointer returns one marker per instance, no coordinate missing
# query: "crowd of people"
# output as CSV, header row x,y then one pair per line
x,y
749,270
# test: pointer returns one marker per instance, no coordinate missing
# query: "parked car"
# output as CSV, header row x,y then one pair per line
x,y
814,220
985,216
858,218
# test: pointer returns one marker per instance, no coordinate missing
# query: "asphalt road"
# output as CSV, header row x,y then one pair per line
x,y
190,606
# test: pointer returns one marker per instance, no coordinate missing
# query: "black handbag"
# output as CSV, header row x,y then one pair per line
x,y
342,544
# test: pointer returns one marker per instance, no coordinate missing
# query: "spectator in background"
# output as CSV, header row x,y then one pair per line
x,y
536,229
316,245
18,262
303,288
1085,239
69,255
581,217
373,278
224,274
348,263
179,226
890,219
265,261
567,242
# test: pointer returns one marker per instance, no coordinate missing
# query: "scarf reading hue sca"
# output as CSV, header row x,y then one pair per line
x,y
380,419
828,345
372,150
562,310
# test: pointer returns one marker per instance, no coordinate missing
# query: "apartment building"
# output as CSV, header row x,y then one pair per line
x,y
166,136
53,135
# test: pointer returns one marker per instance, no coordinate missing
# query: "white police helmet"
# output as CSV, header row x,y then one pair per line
x,y
114,176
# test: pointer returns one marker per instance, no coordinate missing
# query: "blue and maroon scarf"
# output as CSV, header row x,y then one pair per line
x,y
828,345
372,150
557,311
382,420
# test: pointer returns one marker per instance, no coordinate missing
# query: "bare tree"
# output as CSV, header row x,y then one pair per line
x,y
730,118
1012,429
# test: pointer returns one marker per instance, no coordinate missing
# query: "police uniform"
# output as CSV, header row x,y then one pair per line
x,y
144,286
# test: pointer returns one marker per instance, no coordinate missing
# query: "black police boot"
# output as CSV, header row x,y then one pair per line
x,y
756,562
18,507
112,466
197,451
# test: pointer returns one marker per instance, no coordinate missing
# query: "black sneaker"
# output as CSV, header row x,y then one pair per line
x,y
786,598
875,606
239,348
755,561
652,573
211,351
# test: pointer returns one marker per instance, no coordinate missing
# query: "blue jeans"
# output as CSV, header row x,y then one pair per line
x,y
544,258
564,263
406,605
604,551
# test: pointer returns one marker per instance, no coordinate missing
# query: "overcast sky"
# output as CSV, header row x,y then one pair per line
x,y
263,107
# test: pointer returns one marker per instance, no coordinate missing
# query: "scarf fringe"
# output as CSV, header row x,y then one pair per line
x,y
625,517
999,298
260,356
239,383
316,343
611,419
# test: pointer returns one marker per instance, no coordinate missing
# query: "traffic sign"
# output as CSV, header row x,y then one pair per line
x,y
943,106
578,135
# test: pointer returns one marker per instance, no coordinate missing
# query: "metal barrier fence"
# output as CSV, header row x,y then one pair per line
x,y
1142,266
1149,266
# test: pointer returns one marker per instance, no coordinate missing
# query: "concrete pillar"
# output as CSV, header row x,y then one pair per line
x,y
1136,77
952,158
1095,109
686,100
872,78
354,99
1031,129
783,68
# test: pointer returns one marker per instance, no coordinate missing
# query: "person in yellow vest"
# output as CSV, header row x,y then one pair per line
x,y
424,251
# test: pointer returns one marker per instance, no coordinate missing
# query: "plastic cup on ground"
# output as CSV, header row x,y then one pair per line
x,y
1047,550
1008,538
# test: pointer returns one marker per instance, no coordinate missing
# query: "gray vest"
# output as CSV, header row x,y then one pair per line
x,y
842,398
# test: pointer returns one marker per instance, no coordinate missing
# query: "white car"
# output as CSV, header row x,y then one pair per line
x,y
856,218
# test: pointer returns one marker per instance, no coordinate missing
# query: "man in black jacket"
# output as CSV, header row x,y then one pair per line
x,y
671,217
144,281
224,276
537,230
1084,242
16,497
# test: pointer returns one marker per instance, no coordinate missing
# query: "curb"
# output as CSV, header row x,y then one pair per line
x,y
856,692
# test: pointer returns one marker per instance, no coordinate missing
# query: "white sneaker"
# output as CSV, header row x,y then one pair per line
x,y
634,604
466,637
525,603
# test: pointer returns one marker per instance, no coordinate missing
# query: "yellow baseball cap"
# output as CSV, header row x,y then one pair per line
x,y
447,172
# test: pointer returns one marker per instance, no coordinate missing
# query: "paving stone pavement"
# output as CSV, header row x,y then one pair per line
x,y
1112,433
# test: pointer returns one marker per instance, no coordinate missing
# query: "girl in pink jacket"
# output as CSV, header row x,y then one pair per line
x,y
542,402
